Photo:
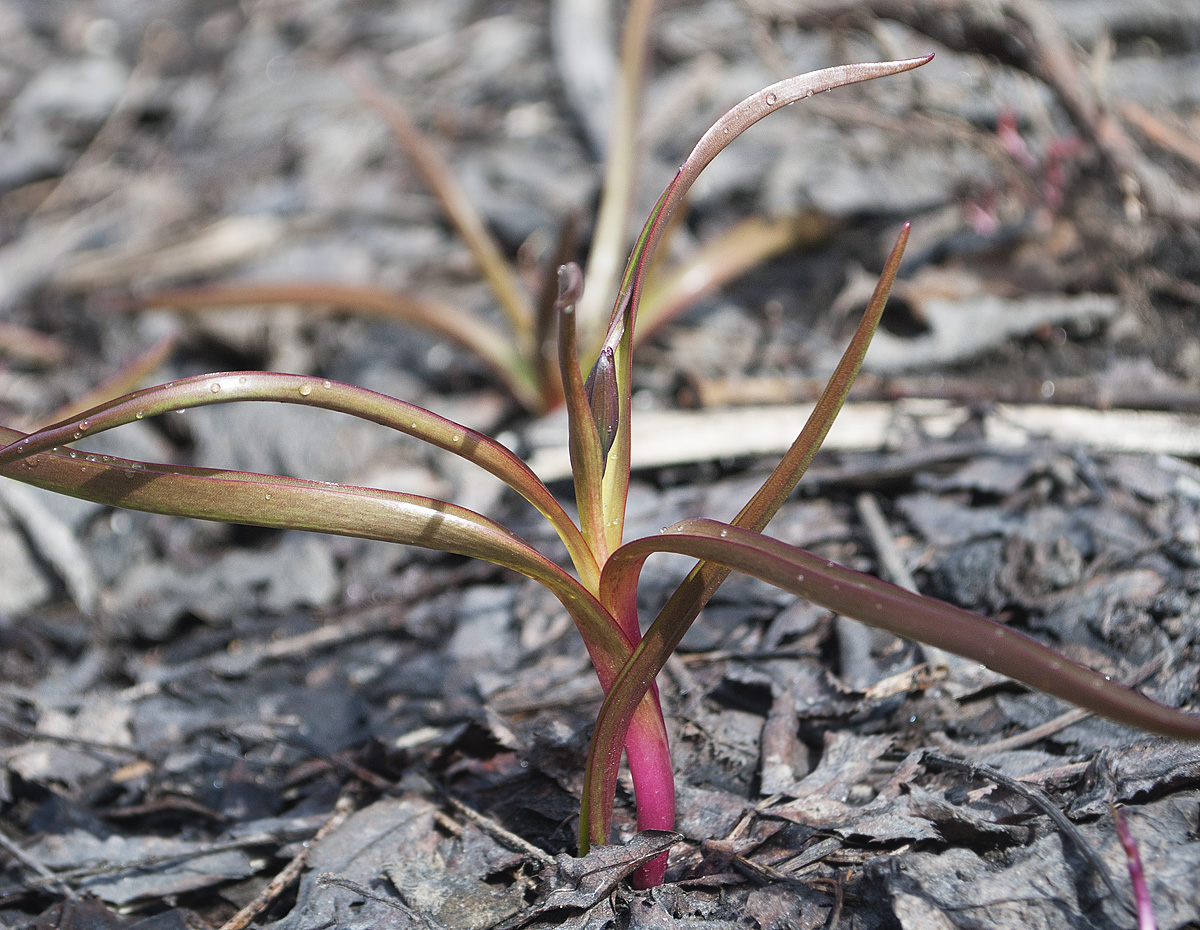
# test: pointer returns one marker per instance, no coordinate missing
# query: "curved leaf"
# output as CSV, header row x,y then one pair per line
x,y
367,513
723,131
863,598
227,387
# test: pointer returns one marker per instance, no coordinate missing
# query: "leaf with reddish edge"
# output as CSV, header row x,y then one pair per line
x,y
368,513
227,387
624,314
862,597
291,503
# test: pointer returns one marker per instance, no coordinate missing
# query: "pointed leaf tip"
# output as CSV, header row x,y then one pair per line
x,y
603,398
570,287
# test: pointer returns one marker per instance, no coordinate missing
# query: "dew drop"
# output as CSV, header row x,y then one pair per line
x,y
724,533
327,385
809,94
800,577
140,414
305,390
74,455
215,387
457,438
78,434
772,99
268,496
85,424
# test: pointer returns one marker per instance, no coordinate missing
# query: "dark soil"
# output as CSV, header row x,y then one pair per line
x,y
187,708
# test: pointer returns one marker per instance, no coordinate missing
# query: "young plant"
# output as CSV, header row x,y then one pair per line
x,y
601,595
515,354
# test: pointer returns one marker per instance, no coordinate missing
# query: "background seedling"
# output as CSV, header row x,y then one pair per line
x,y
520,355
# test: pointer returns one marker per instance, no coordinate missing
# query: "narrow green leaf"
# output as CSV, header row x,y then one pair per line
x,y
367,513
406,418
736,121
587,455
694,591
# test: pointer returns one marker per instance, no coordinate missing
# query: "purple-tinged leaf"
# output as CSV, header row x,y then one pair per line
x,y
855,595
621,324
695,590
736,121
367,513
601,391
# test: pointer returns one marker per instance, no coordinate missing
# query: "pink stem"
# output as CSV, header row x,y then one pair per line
x,y
1137,875
649,754
653,774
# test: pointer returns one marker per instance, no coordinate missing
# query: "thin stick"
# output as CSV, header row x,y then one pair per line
x,y
47,876
895,571
1039,799
497,832
239,921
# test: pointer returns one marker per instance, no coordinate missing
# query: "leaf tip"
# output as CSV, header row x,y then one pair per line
x,y
570,287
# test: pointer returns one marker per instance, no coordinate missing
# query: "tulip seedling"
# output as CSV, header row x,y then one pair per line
x,y
601,593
